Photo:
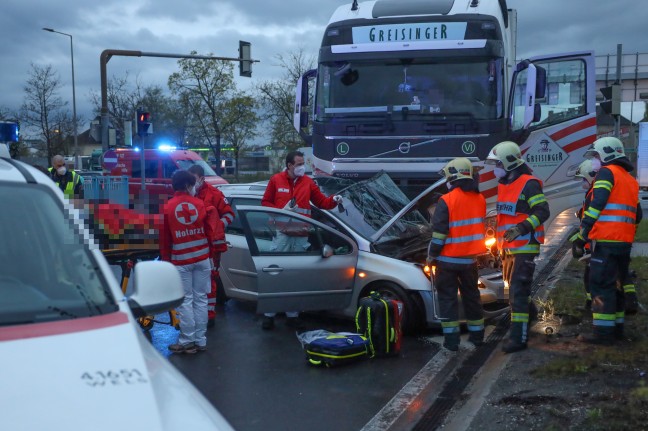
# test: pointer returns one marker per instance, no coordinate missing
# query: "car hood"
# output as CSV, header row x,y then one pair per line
x,y
93,373
378,210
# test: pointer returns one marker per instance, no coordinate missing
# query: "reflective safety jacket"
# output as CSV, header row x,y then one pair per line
x,y
222,214
509,215
186,236
465,238
70,183
616,221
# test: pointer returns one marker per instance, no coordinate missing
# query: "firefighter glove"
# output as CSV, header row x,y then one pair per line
x,y
512,233
578,250
337,199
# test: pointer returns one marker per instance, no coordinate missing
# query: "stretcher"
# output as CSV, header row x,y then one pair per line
x,y
126,258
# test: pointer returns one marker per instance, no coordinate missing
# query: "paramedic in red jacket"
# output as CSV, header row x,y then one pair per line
x,y
185,241
223,215
282,188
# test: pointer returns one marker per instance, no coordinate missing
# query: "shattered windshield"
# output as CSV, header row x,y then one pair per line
x,y
47,272
425,86
369,205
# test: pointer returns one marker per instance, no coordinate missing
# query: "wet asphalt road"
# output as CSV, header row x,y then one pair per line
x,y
260,380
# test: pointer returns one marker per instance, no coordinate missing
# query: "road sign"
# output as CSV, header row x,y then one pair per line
x,y
110,159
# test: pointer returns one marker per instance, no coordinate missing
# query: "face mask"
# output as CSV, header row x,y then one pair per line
x,y
596,164
585,184
499,172
199,184
62,170
192,191
299,171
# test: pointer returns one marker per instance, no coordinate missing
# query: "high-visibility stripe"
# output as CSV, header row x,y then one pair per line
x,y
190,244
467,222
459,260
535,200
534,221
602,184
603,316
616,219
461,239
606,323
629,288
190,255
439,235
520,317
620,207
451,327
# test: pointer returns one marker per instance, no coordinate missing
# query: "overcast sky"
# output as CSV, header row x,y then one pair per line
x,y
272,26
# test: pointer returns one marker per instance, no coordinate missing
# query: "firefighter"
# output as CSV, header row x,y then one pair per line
x,y
294,191
586,174
457,239
609,223
222,213
70,183
521,211
185,241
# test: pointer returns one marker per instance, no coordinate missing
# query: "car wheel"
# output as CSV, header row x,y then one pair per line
x,y
411,313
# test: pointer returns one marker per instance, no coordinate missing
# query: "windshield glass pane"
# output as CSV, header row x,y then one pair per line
x,y
186,164
371,204
46,271
425,86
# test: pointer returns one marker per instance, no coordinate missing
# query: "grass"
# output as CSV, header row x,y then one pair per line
x,y
642,231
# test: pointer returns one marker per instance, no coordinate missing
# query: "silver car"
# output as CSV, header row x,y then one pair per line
x,y
376,240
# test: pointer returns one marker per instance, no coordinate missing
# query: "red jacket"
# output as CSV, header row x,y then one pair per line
x,y
222,214
281,189
185,237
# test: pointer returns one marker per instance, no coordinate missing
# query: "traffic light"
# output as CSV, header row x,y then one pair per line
x,y
612,103
144,126
245,54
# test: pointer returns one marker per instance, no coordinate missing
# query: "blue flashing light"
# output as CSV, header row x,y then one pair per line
x,y
136,149
9,131
166,147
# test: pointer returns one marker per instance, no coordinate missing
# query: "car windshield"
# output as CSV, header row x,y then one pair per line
x,y
371,204
425,86
186,164
47,272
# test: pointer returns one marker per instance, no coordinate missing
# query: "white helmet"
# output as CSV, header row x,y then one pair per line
x,y
507,153
586,171
457,169
608,149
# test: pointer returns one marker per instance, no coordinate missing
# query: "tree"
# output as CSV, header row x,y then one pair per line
x,y
204,88
44,109
239,123
277,99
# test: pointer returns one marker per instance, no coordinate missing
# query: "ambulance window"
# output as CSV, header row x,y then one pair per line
x,y
168,168
150,168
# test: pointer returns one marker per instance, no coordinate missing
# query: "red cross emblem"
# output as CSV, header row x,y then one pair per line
x,y
186,213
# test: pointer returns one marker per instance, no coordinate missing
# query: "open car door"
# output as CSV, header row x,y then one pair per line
x,y
301,264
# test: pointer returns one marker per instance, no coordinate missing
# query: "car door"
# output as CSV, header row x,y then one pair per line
x,y
300,264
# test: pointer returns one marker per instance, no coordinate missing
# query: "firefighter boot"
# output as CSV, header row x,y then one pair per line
x,y
631,303
602,336
451,341
517,338
476,337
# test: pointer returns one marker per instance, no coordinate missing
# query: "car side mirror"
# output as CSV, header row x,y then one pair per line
x,y
327,251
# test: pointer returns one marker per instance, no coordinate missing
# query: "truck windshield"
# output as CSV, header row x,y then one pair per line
x,y
424,86
186,164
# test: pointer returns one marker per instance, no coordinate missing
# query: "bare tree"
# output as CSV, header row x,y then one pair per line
x,y
204,88
239,124
44,110
278,98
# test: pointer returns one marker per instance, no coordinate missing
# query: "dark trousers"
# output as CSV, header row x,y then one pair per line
x,y
518,270
453,278
609,263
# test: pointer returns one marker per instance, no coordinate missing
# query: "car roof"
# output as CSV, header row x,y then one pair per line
x,y
19,172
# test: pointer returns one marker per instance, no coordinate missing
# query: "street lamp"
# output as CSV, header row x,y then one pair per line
x,y
74,116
